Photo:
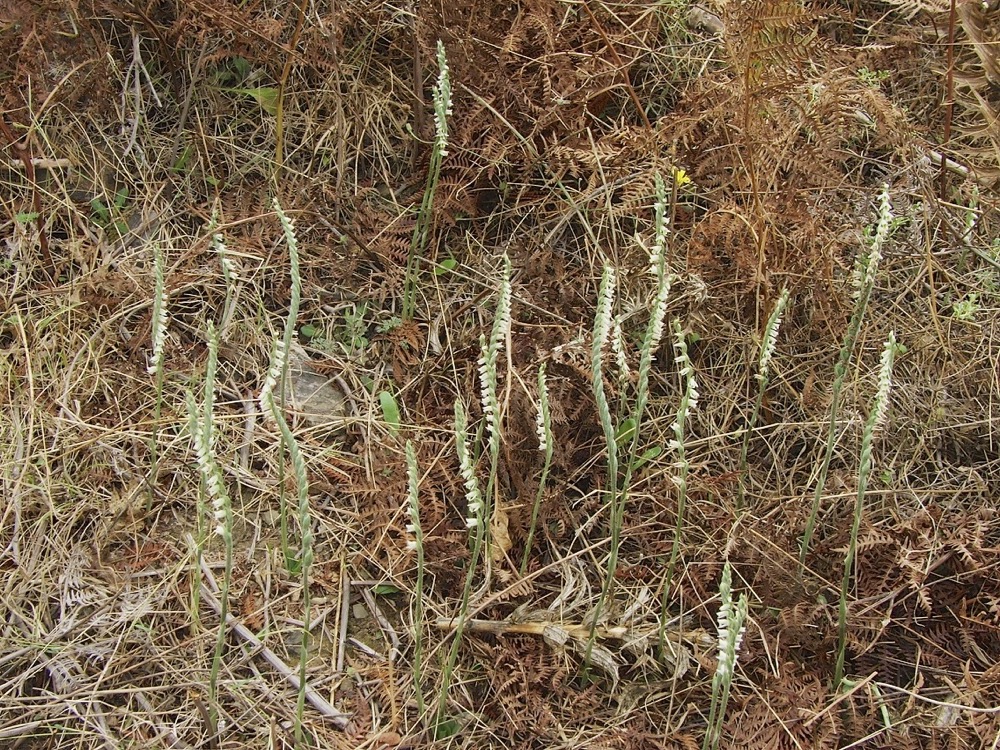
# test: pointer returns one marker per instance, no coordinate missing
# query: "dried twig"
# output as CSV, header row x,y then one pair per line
x,y
339,719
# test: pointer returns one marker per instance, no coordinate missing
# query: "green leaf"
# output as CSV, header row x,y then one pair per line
x,y
26,217
390,410
648,455
266,97
626,430
241,66
182,161
446,728
100,210
308,331
385,589
445,266
121,197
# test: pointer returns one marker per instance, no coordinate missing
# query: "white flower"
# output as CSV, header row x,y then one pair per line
x,y
692,399
618,349
771,334
540,430
278,356
159,316
442,101
884,381
602,320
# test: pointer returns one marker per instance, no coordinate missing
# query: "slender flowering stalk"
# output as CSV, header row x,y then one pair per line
x,y
415,543
767,347
476,523
200,428
876,418
688,403
732,625
602,331
771,336
305,556
272,408
439,150
543,426
488,362
159,336
277,370
230,275
864,277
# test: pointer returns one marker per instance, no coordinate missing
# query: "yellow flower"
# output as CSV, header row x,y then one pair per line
x,y
681,177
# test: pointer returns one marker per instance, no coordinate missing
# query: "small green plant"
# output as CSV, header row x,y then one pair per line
x,y
876,418
865,271
966,309
439,150
731,621
873,78
354,337
390,411
109,217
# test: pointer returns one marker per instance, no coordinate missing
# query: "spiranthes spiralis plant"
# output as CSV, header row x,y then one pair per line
x,y
876,418
663,216
543,425
489,401
272,407
658,266
202,433
476,523
688,403
155,368
480,504
602,331
658,269
767,345
439,150
865,271
277,372
415,543
731,621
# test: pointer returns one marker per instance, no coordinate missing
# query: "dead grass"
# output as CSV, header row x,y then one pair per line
x,y
108,626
